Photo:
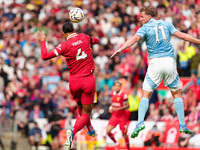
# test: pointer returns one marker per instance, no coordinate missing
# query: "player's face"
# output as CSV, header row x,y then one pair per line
x,y
117,87
144,18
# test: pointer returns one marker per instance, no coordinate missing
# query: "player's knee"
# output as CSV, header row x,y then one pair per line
x,y
176,93
88,113
87,109
108,131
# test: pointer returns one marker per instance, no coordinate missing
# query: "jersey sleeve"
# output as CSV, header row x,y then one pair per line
x,y
111,94
141,32
125,97
59,50
172,29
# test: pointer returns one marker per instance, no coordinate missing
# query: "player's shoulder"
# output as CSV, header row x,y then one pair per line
x,y
82,34
163,22
61,46
121,93
124,95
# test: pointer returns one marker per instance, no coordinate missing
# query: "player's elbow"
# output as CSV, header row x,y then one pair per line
x,y
95,40
183,36
127,106
44,58
135,38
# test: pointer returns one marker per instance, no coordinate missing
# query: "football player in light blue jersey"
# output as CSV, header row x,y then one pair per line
x,y
157,35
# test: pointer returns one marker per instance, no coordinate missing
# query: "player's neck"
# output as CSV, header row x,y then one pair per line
x,y
69,35
117,92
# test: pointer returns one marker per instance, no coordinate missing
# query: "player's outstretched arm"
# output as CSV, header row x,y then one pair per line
x,y
186,37
45,55
127,44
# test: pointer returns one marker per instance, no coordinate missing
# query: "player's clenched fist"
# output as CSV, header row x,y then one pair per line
x,y
40,36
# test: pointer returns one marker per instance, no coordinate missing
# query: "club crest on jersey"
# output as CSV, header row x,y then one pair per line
x,y
118,98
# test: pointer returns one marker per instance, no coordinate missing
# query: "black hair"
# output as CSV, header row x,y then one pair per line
x,y
68,27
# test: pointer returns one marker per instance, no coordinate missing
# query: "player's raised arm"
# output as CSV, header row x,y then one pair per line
x,y
127,44
42,39
186,37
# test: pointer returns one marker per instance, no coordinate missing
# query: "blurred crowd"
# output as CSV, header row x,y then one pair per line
x,y
31,88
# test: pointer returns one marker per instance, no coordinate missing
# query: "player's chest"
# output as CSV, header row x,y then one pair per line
x,y
117,100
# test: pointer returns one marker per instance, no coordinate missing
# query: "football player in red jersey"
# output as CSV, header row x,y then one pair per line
x,y
117,108
78,53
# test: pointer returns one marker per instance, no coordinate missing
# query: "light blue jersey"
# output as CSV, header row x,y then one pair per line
x,y
157,34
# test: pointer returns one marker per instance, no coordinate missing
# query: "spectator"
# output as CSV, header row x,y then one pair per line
x,y
36,97
195,61
183,61
55,119
154,115
183,140
194,140
153,137
124,68
192,117
106,81
4,75
195,87
36,113
35,136
134,101
22,120
47,105
190,100
101,60
167,117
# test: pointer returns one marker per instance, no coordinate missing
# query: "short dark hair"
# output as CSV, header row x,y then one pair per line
x,y
68,27
149,11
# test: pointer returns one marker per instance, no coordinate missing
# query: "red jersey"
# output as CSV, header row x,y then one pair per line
x,y
118,101
78,54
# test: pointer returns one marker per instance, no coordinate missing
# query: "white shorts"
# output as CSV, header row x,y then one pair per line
x,y
161,68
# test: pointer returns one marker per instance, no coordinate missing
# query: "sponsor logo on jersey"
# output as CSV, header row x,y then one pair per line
x,y
115,104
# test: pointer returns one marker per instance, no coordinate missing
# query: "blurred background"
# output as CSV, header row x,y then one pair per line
x,y
35,102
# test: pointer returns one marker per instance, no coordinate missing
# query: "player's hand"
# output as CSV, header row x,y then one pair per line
x,y
116,53
40,36
110,109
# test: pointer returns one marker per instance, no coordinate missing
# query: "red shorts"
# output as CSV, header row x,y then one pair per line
x,y
122,121
83,89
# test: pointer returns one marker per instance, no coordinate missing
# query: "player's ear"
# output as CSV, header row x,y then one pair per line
x,y
149,17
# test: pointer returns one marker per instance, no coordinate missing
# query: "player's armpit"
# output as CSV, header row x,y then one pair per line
x,y
94,40
46,55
